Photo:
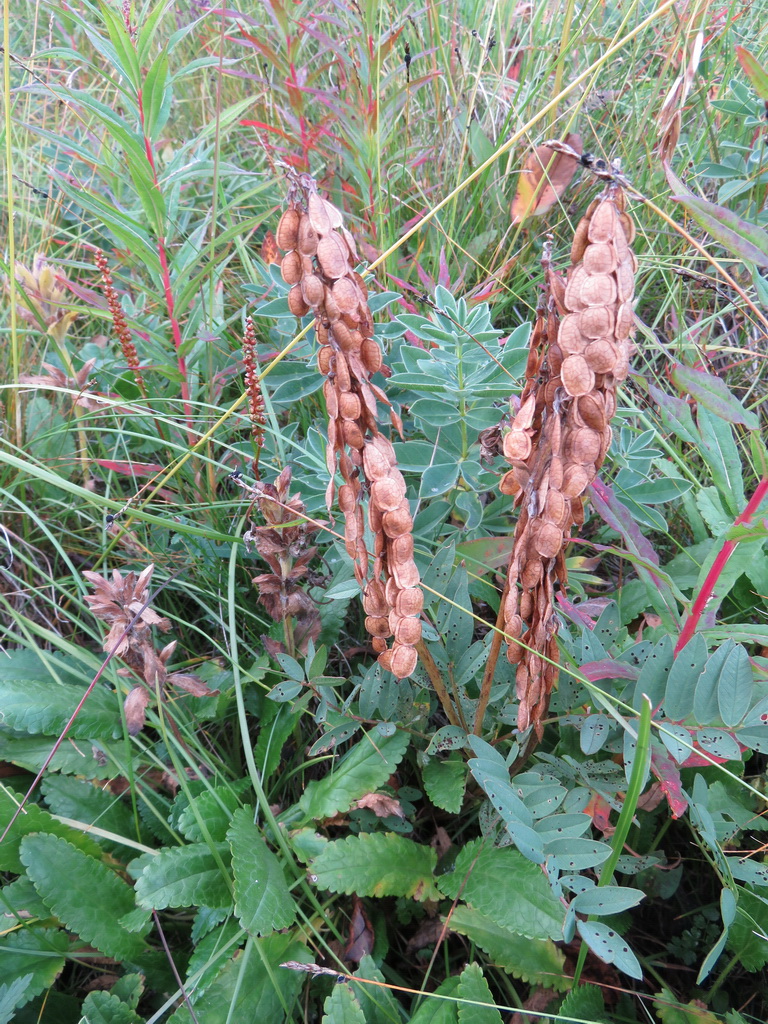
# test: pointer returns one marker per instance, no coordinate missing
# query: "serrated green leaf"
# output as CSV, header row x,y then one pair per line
x,y
610,947
82,801
182,876
671,1011
91,902
362,770
507,888
211,810
474,987
204,964
262,900
34,819
378,1003
343,1007
252,986
37,953
12,996
106,1008
444,782
377,864
585,1002
40,698
746,934
438,1011
535,961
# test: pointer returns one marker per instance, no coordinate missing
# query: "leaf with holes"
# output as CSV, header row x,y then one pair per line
x,y
681,681
705,703
577,854
734,687
610,947
719,743
593,734
606,899
654,673
678,742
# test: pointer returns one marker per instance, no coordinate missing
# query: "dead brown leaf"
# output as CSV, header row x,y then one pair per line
x,y
545,176
381,805
361,935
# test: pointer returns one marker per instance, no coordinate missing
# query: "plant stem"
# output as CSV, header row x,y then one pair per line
x,y
490,665
437,681
719,564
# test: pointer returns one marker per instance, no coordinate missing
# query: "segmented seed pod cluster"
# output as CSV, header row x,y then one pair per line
x,y
319,265
559,437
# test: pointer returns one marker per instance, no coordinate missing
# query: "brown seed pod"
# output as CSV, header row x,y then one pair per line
x,y
570,337
388,493
514,625
379,644
601,356
291,268
515,652
582,446
578,378
375,516
341,369
374,601
348,340
600,258
385,660
376,464
532,571
604,222
307,239
352,434
287,234
517,446
407,631
556,472
312,290
577,277
625,278
324,359
402,548
592,410
556,509
349,405
509,484
410,601
332,256
596,322
406,575
346,294
403,661
318,214
378,626
625,319
548,540
397,522
371,355
347,499
598,290
331,399
296,302
575,481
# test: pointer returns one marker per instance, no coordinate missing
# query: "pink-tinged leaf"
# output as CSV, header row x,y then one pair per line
x,y
617,516
714,394
754,71
485,553
608,669
574,614
668,774
131,468
741,237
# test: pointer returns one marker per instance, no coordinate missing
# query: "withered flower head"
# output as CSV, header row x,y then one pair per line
x,y
47,291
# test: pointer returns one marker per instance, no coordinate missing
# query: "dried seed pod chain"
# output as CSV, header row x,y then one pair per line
x,y
319,261
559,437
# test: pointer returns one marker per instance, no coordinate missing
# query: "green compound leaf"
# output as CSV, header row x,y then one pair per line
x,y
507,888
184,876
92,899
34,953
734,687
262,900
610,947
377,864
535,961
473,986
362,770
105,1008
444,782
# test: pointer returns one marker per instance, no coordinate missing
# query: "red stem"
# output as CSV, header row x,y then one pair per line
x,y
725,552
162,253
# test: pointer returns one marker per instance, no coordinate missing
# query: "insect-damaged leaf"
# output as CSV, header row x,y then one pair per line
x,y
543,179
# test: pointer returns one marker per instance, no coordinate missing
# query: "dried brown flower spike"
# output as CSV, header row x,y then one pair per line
x,y
319,265
561,433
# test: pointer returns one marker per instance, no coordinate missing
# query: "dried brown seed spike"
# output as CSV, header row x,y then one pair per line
x,y
604,222
576,279
406,575
625,319
575,481
353,435
582,446
570,337
376,464
374,601
324,359
402,548
346,498
287,234
331,399
592,410
341,369
290,267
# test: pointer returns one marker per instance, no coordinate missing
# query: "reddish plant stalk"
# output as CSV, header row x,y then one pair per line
x,y
719,564
162,253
